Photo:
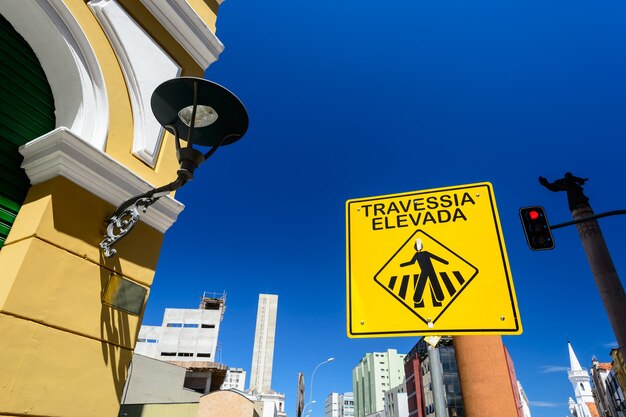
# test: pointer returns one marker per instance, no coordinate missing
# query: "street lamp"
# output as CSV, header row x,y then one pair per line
x,y
197,111
307,404
313,376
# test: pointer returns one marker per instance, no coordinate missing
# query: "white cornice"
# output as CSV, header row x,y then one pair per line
x,y
179,18
63,153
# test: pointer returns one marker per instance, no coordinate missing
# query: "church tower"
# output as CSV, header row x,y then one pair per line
x,y
579,378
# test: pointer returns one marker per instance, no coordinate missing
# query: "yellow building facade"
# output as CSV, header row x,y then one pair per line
x,y
619,366
66,330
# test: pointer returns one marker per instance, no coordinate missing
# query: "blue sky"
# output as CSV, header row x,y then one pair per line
x,y
353,99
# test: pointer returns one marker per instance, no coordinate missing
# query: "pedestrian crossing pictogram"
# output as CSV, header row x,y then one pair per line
x,y
428,262
425,276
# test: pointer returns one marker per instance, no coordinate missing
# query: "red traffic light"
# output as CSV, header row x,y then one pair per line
x,y
536,228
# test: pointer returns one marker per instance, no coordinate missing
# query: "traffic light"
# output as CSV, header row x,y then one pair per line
x,y
536,228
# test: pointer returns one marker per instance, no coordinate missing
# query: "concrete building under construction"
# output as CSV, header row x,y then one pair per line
x,y
186,335
189,338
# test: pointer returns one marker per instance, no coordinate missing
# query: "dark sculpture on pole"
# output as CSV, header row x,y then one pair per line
x,y
573,185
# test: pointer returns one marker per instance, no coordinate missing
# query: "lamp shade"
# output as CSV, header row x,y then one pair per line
x,y
220,113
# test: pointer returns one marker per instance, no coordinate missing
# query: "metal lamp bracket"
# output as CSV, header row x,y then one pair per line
x,y
177,93
119,225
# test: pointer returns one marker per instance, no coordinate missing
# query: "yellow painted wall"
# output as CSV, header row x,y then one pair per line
x,y
58,373
61,212
619,366
64,343
207,10
65,295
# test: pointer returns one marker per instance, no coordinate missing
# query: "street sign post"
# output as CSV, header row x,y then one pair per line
x,y
429,262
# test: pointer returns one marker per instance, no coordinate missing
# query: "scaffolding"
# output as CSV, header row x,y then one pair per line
x,y
214,301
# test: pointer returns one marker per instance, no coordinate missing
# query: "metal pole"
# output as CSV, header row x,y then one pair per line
x,y
436,378
608,282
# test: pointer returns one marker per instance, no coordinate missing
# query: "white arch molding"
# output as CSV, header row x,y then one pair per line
x,y
69,63
145,66
75,149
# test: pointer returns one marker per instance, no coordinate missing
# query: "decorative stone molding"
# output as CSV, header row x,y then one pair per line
x,y
63,153
69,63
179,18
145,66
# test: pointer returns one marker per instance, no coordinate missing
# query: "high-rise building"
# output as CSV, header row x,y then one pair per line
x,y
235,378
396,403
421,381
433,381
263,352
188,337
339,405
263,356
347,405
185,335
584,405
373,376
331,405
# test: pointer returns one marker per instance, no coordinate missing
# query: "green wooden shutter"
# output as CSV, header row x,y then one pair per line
x,y
26,112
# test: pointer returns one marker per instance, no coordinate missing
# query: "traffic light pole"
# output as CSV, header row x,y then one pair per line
x,y
604,272
584,219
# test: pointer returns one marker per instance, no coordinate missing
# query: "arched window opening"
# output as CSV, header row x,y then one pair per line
x,y
26,112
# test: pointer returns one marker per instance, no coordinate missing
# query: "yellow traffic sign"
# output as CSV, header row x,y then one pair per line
x,y
429,262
